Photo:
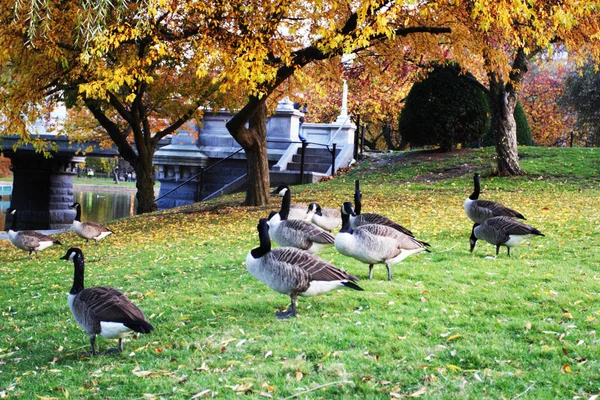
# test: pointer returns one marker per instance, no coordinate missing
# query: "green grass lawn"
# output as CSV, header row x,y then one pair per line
x,y
451,325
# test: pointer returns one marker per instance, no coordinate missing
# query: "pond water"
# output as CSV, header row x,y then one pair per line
x,y
100,206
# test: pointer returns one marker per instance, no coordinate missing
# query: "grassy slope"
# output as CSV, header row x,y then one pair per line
x,y
450,325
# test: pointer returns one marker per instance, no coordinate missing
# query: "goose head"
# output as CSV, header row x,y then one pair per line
x,y
281,190
314,208
73,254
347,209
75,205
473,238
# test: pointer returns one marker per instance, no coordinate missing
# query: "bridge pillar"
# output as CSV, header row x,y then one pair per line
x,y
43,190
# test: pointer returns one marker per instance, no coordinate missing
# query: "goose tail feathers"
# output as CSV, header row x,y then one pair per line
x,y
352,285
140,326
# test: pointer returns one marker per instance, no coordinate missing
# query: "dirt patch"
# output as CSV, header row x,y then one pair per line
x,y
424,156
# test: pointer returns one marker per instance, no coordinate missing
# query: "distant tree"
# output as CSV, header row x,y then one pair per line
x,y
549,120
4,167
582,96
445,109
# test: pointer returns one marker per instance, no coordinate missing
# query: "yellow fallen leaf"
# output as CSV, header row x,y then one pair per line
x,y
299,375
566,369
568,315
137,371
454,337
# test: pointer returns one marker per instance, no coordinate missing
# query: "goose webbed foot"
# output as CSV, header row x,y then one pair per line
x,y
117,349
290,312
370,271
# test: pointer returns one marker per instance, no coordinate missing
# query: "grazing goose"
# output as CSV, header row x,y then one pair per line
x,y
326,218
102,311
28,240
359,219
502,231
88,230
375,244
296,233
293,272
480,210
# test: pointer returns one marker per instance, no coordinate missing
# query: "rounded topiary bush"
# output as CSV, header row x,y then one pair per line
x,y
445,109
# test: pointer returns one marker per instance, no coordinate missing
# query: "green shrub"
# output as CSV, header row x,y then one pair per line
x,y
444,110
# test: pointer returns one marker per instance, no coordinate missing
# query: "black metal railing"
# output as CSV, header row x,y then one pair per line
x,y
198,195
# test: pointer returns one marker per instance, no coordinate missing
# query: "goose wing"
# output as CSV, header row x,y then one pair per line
x,y
110,305
371,218
510,226
314,268
496,209
312,232
33,238
403,240
94,227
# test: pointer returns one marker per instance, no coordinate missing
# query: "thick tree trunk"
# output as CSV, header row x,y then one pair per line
x,y
254,142
144,183
145,187
503,99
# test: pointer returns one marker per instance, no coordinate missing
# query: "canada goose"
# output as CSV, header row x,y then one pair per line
x,y
359,219
375,244
296,211
502,231
294,272
88,230
28,240
296,233
480,210
326,218
102,311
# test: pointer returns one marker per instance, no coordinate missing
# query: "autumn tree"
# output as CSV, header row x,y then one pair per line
x,y
549,120
506,35
582,97
133,64
140,81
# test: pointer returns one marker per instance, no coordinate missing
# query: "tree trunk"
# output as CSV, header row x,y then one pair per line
x,y
254,142
257,161
502,104
144,182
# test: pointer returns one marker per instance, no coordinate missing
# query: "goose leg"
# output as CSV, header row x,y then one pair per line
x,y
497,249
370,271
508,248
291,311
93,344
29,257
389,271
118,349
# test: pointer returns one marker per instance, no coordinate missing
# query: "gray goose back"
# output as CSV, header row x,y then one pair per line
x,y
502,231
479,210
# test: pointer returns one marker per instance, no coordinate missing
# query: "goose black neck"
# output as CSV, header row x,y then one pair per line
x,y
263,237
346,227
13,224
78,210
79,267
476,188
357,201
286,202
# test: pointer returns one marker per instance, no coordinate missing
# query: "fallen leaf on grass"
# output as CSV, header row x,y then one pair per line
x,y
200,394
418,393
299,376
241,388
137,371
566,369
454,337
